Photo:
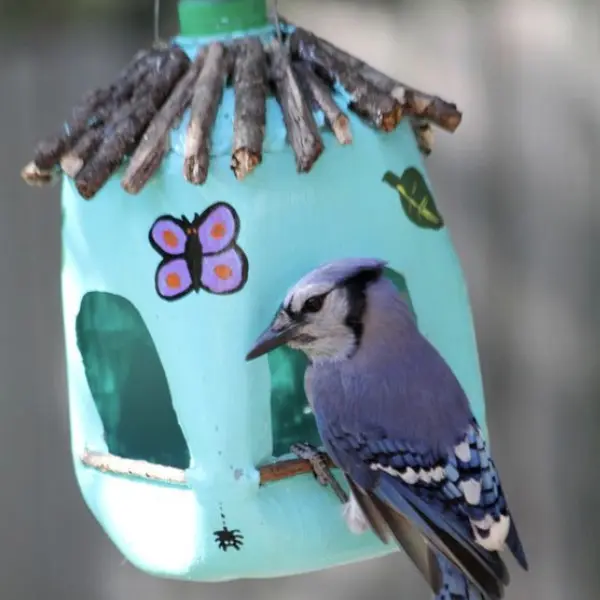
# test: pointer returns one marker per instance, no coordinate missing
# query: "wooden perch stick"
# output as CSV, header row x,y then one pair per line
x,y
414,102
138,469
321,94
249,80
123,132
284,469
141,469
368,101
302,130
205,105
154,144
48,152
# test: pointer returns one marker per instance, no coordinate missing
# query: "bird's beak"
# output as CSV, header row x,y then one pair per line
x,y
272,338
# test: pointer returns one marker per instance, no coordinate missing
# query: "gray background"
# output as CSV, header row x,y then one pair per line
x,y
517,187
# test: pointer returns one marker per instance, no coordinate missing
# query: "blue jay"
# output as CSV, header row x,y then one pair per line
x,y
396,421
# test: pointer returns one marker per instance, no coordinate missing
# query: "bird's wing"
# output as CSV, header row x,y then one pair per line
x,y
403,531
445,579
454,498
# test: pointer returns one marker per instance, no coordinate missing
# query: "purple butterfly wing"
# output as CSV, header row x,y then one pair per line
x,y
168,237
173,279
219,226
226,272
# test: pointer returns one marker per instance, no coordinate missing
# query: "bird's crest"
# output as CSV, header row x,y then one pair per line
x,y
333,274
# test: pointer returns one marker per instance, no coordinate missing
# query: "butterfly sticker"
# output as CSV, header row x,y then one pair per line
x,y
199,254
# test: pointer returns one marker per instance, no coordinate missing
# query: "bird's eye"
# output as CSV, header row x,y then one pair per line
x,y
314,304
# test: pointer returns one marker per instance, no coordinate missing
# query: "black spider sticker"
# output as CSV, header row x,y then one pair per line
x,y
228,538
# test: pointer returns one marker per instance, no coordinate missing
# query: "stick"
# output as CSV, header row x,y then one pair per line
x,y
250,85
152,165
149,154
124,130
134,75
433,108
128,124
302,130
72,161
205,104
33,175
424,134
154,81
48,151
335,117
141,469
284,469
368,101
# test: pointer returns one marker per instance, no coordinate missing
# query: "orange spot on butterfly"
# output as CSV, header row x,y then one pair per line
x,y
223,272
173,280
170,238
218,231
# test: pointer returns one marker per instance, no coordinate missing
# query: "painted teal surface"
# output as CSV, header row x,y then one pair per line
x,y
289,224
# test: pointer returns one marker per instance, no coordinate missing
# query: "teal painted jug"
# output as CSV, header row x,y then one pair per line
x,y
176,439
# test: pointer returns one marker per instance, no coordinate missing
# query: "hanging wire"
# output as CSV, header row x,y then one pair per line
x,y
156,22
275,17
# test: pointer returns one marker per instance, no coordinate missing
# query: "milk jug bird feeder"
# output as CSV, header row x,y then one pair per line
x,y
212,173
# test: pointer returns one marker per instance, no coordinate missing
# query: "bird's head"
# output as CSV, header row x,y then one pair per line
x,y
322,314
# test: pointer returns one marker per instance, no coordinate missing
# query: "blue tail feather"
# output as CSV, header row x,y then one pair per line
x,y
515,545
455,586
486,568
400,495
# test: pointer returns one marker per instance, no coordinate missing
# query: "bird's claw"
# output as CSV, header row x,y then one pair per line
x,y
316,459
318,462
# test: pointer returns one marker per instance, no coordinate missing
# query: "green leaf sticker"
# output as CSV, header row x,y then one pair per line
x,y
416,197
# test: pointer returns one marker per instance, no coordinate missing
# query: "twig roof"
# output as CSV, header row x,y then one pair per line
x,y
131,119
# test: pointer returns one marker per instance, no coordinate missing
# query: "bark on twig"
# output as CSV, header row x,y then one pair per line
x,y
155,142
432,108
424,135
99,100
302,130
322,96
121,136
72,161
250,85
122,133
135,114
205,104
440,112
368,101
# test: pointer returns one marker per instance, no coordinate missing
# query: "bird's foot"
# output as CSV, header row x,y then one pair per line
x,y
318,462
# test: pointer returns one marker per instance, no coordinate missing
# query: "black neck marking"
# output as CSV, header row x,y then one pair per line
x,y
357,298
